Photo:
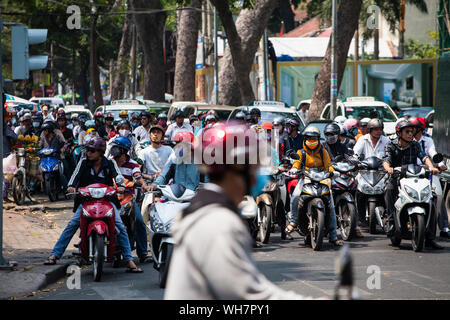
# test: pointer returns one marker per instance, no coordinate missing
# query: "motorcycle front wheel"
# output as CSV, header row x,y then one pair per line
x,y
417,222
317,228
166,254
99,249
264,223
372,218
347,214
50,187
18,190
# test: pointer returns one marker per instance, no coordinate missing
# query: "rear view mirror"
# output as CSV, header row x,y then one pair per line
x,y
438,158
295,156
361,157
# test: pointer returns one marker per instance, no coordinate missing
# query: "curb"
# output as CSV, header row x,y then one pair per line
x,y
54,275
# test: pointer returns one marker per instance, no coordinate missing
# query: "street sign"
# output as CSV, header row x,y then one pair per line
x,y
22,63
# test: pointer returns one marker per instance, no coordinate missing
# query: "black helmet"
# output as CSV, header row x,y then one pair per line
x,y
48,126
146,113
255,111
401,125
123,123
332,128
179,113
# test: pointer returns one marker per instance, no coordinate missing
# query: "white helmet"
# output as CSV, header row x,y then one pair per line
x,y
340,119
74,115
364,121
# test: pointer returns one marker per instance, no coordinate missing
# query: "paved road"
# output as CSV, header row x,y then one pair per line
x,y
404,274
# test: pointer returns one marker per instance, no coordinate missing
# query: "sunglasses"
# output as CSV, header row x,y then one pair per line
x,y
91,150
109,119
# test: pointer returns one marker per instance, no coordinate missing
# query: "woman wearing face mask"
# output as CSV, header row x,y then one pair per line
x,y
124,130
316,156
351,130
332,143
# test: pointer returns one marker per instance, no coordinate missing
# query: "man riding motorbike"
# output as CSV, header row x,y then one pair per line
x,y
162,120
316,156
362,128
293,139
350,127
124,130
99,126
96,168
109,127
130,170
142,132
135,120
68,162
332,143
403,151
255,113
374,142
181,167
26,128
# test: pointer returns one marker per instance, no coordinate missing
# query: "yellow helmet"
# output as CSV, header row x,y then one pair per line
x,y
123,113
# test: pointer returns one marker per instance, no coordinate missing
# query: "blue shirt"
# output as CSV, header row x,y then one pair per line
x,y
184,174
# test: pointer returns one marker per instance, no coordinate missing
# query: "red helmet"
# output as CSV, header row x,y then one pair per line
x,y
267,126
423,122
184,136
418,122
235,143
98,114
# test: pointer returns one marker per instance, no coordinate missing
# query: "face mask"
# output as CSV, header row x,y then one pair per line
x,y
36,124
135,124
312,144
124,133
261,180
353,131
331,139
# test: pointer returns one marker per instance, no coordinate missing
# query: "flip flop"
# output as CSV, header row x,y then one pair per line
x,y
134,270
146,259
50,261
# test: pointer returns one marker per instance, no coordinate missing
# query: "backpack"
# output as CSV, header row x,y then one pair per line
x,y
304,156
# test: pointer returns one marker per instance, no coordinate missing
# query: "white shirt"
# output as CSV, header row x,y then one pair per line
x,y
427,145
155,159
303,115
142,134
173,129
364,146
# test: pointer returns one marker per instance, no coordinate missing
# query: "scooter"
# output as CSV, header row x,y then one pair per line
x,y
414,206
270,206
21,180
249,212
372,180
343,191
161,206
97,226
128,216
52,170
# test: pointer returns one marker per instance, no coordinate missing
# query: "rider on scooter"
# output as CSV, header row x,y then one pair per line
x,y
403,151
130,170
181,167
95,168
316,156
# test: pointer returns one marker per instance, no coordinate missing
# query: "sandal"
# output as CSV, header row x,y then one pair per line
x,y
50,261
290,227
146,259
134,270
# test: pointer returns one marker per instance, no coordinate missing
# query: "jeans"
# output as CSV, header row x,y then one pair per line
x,y
140,233
73,226
293,214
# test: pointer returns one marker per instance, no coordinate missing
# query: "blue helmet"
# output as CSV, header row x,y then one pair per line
x,y
122,142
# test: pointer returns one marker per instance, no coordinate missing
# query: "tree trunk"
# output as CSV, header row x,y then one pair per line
x,y
356,54
189,24
287,15
243,40
94,74
121,68
376,45
348,15
150,28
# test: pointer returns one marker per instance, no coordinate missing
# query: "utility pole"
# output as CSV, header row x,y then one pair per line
x,y
73,74
265,62
216,61
334,76
133,62
401,47
3,263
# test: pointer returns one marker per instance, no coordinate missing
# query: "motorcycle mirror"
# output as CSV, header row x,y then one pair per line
x,y
438,157
361,157
295,156
338,158
351,152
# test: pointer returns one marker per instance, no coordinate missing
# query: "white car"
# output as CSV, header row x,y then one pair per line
x,y
307,102
364,107
268,113
75,108
116,106
52,101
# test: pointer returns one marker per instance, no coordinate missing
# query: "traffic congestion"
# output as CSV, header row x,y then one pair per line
x,y
177,184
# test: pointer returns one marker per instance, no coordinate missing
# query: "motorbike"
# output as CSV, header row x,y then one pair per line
x,y
97,226
343,190
160,207
52,170
77,151
249,212
372,180
21,180
414,206
128,215
270,206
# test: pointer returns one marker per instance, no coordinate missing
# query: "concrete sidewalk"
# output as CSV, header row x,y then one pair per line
x,y
29,234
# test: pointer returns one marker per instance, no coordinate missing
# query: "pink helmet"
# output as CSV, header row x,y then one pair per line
x,y
350,124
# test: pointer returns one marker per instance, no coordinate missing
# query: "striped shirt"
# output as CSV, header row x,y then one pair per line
x,y
129,169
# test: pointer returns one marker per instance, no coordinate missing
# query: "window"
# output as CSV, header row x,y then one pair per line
x,y
326,112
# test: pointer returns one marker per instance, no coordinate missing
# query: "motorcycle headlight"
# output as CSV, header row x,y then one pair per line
x,y
156,224
97,193
55,167
425,193
367,189
412,193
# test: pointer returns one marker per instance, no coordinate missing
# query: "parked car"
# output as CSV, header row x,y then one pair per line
x,y
158,107
118,105
303,102
364,107
417,111
189,108
75,108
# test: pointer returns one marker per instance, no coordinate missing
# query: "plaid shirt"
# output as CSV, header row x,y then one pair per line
x,y
397,156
